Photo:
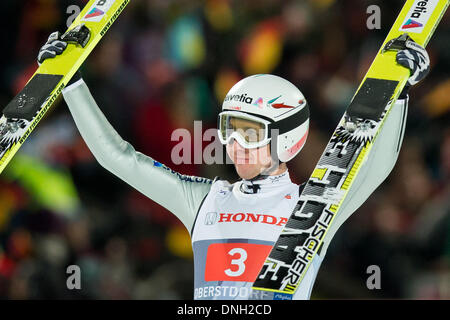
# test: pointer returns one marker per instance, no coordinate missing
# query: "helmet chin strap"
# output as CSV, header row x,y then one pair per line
x,y
263,175
267,171
275,163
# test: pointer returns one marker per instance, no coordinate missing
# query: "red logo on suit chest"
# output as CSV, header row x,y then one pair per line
x,y
252,217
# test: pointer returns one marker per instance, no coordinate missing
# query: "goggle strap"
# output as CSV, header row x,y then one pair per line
x,y
292,122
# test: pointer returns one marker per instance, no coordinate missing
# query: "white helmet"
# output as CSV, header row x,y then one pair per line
x,y
266,102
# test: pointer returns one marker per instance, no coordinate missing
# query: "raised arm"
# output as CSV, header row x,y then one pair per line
x,y
177,193
180,194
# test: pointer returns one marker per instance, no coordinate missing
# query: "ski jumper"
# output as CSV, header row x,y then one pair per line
x,y
232,226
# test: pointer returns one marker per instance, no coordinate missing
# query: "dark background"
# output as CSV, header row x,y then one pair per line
x,y
167,63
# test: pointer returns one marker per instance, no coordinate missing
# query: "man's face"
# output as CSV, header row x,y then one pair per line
x,y
249,162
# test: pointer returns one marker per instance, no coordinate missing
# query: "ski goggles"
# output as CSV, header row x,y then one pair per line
x,y
250,131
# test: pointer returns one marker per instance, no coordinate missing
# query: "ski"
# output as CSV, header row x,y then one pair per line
x,y
24,112
351,143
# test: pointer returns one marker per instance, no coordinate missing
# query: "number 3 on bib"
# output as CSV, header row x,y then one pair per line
x,y
235,261
239,262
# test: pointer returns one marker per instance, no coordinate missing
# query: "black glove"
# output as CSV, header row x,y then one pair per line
x,y
416,59
53,47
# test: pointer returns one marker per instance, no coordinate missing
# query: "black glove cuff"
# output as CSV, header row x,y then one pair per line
x,y
405,91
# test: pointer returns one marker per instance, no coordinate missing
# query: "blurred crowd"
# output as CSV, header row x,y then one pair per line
x,y
166,63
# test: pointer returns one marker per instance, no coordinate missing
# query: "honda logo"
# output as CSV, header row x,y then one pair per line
x,y
210,218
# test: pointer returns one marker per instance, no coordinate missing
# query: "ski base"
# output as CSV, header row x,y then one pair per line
x,y
29,101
